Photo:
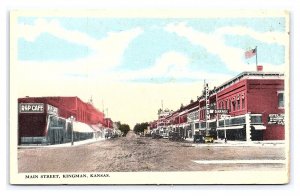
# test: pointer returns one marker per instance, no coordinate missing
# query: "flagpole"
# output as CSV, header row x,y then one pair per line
x,y
256,54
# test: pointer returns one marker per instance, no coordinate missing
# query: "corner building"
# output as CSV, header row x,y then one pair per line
x,y
47,120
255,105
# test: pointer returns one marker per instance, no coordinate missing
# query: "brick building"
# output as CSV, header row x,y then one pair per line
x,y
248,107
50,120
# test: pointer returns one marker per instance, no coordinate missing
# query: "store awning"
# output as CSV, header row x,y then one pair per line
x,y
259,127
232,127
82,127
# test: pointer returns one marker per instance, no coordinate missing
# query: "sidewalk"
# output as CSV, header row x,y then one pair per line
x,y
77,143
269,143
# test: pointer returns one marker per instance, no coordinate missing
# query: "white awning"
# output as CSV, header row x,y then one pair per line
x,y
232,127
96,128
259,127
82,127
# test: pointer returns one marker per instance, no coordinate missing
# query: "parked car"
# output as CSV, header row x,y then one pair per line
x,y
175,136
156,136
198,138
209,139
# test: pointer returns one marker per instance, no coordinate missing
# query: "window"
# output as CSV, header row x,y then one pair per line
x,y
233,105
243,103
280,99
238,104
256,119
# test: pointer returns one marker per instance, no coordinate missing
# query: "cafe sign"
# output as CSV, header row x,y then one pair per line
x,y
31,108
276,119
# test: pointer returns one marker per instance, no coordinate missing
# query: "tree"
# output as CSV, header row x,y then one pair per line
x,y
125,128
140,127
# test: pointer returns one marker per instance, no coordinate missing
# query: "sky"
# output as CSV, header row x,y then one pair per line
x,y
130,66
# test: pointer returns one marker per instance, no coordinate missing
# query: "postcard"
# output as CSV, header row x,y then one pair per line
x,y
149,97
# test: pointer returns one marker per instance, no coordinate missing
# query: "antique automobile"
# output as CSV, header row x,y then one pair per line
x,y
175,136
208,139
198,138
156,136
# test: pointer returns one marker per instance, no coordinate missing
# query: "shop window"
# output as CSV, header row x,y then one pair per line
x,y
280,99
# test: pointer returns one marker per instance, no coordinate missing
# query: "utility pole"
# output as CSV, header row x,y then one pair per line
x,y
102,106
207,107
256,54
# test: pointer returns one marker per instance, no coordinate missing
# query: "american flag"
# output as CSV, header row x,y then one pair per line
x,y
250,53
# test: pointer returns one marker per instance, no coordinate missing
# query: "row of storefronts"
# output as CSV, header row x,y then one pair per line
x,y
56,120
249,107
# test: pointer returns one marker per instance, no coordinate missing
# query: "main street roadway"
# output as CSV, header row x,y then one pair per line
x,y
134,153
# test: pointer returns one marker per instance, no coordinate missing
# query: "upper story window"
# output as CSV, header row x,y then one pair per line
x,y
226,105
280,95
233,104
229,105
243,101
238,102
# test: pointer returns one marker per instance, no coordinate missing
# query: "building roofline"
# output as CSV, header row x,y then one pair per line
x,y
239,77
244,74
228,83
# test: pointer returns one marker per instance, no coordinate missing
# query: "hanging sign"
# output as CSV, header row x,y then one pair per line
x,y
207,102
218,111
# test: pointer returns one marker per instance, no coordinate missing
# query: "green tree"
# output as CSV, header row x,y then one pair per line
x,y
125,128
140,127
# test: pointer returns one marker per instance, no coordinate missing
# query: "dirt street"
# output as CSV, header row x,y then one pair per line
x,y
134,153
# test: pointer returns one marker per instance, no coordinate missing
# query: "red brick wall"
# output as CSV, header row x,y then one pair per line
x,y
232,92
67,107
263,99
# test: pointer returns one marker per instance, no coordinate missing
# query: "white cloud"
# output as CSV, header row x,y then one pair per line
x,y
214,43
53,27
170,65
106,52
267,37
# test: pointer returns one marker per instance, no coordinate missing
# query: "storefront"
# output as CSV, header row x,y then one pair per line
x,y
53,120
